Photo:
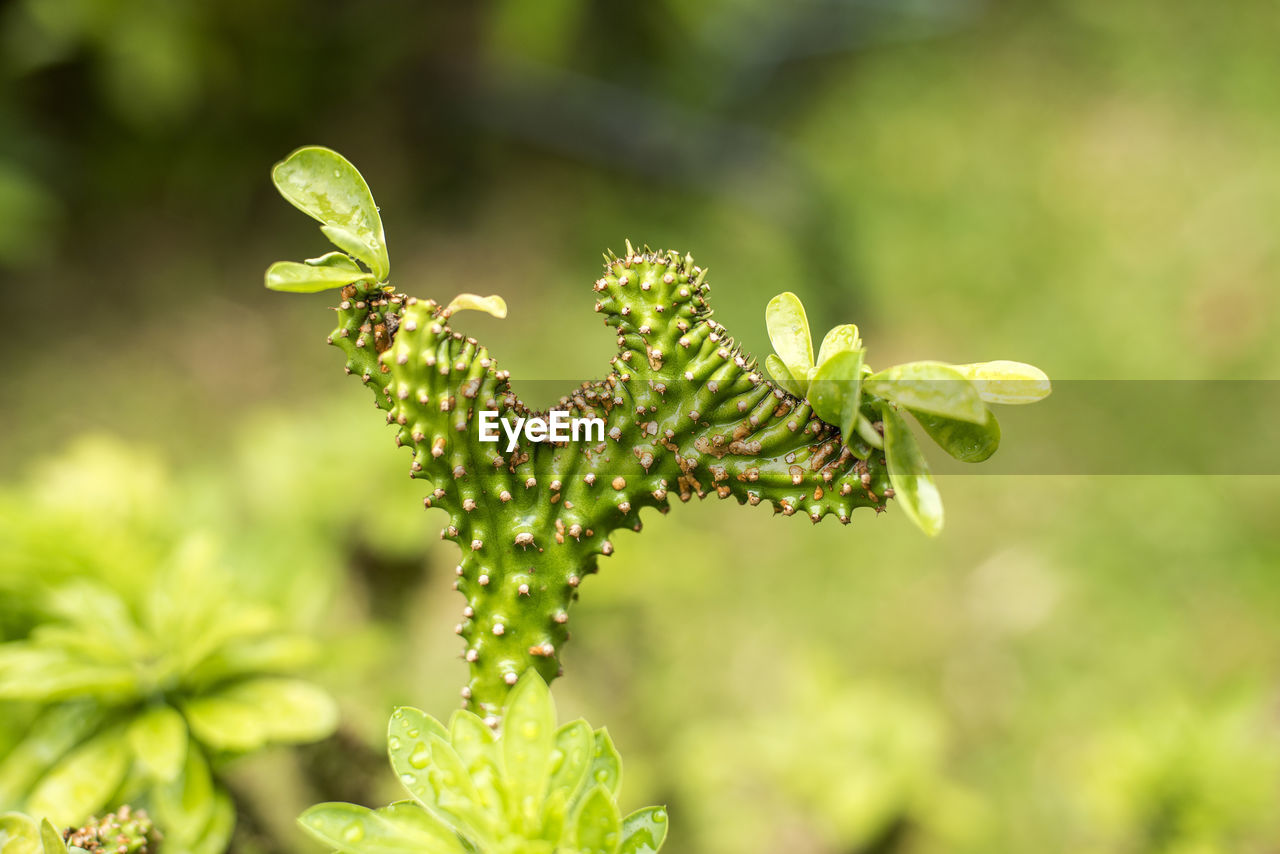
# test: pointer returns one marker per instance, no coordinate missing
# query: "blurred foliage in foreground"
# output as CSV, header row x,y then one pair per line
x,y
1080,664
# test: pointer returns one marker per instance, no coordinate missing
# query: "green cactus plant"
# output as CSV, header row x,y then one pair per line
x,y
533,789
685,413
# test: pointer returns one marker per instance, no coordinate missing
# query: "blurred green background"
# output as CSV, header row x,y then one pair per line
x,y
1078,664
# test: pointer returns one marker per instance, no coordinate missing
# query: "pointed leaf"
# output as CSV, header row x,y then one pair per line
x,y
836,390
964,440
784,378
476,746
575,749
597,829
455,796
50,839
492,304
606,764
644,831
528,735
867,432
931,387
1007,382
789,331
292,277
83,782
324,185
913,485
470,737
839,339
158,738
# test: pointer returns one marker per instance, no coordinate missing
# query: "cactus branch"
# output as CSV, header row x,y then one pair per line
x,y
686,414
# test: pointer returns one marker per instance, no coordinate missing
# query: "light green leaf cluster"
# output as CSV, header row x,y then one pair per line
x,y
325,186
948,401
534,788
138,692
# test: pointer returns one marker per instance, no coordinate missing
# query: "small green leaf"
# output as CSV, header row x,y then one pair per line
x,y
783,377
1007,382
324,185
276,653
30,672
470,737
249,714
338,261
931,387
836,390
789,331
598,829
185,807
409,748
913,485
217,832
455,797
528,735
575,748
84,780
20,835
606,764
868,433
50,839
476,746
415,825
492,304
354,829
56,731
292,277
840,339
964,440
158,738
644,831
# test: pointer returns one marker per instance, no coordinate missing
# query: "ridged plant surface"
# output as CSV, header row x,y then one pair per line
x,y
686,414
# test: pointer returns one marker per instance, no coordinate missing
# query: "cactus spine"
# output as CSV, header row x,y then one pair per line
x,y
686,413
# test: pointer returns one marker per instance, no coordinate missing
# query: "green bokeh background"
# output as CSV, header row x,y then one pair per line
x,y
1078,664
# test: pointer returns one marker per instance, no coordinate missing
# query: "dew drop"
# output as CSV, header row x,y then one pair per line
x,y
421,757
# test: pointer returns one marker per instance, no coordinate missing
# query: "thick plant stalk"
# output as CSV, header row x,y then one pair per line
x,y
686,413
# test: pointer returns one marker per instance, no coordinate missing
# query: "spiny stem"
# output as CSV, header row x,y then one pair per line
x,y
686,413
